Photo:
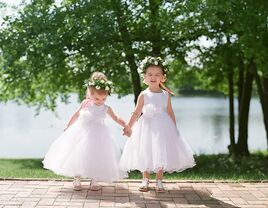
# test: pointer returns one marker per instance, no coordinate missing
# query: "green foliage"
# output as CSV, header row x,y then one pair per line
x,y
49,50
238,30
182,77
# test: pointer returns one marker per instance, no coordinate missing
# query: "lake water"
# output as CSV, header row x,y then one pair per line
x,y
203,122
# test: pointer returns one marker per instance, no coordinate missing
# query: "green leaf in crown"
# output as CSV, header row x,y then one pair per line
x,y
101,85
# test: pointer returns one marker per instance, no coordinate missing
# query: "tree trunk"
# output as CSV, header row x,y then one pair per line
x,y
231,111
242,144
155,35
263,98
127,43
240,83
265,87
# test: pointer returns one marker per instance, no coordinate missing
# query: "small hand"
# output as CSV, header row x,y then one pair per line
x,y
127,131
128,134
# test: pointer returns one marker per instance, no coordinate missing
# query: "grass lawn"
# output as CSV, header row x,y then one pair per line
x,y
214,167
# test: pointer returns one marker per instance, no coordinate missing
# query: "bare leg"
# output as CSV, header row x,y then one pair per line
x,y
159,175
146,174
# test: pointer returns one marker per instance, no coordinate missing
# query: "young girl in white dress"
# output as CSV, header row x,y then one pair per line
x,y
155,144
85,148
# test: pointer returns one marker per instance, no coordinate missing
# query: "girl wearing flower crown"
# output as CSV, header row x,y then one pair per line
x,y
155,144
85,148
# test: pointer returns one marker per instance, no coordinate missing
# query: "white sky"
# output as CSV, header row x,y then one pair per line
x,y
12,2
9,10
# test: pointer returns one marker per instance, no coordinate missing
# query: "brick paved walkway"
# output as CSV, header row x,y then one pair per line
x,y
58,194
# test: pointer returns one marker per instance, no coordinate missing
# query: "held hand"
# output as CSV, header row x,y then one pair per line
x,y
127,131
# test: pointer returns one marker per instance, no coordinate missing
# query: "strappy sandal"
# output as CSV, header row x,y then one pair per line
x,y
94,186
144,185
159,187
77,184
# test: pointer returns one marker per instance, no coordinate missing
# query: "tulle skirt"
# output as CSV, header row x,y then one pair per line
x,y
85,149
156,145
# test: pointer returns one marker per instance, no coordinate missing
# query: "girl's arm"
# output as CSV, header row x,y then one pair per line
x,y
75,116
116,118
136,114
170,110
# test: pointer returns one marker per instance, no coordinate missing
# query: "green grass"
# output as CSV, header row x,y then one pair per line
x,y
223,167
24,168
209,167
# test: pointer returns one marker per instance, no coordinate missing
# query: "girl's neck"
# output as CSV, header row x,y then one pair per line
x,y
155,89
98,105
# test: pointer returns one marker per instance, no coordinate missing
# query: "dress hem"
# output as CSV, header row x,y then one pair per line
x,y
157,169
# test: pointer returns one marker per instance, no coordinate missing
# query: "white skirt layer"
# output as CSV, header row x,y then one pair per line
x,y
85,149
156,144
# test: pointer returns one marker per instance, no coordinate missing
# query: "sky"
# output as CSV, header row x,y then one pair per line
x,y
12,2
9,10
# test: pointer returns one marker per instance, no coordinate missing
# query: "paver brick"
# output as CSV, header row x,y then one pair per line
x,y
59,194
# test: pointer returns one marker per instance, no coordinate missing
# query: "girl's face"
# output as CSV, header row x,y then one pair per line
x,y
98,98
153,76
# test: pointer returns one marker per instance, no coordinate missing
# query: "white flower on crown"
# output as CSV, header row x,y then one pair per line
x,y
149,60
140,70
101,84
146,59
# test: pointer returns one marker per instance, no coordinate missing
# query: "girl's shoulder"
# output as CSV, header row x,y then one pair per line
x,y
144,92
106,106
165,92
86,103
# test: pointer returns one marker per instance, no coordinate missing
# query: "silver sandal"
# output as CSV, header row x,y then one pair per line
x,y
159,187
94,186
77,184
144,185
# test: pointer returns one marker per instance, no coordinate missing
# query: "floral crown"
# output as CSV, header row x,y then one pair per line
x,y
152,61
101,84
